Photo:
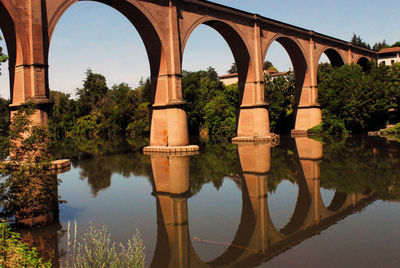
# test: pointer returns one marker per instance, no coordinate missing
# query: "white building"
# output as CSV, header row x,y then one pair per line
x,y
230,79
389,56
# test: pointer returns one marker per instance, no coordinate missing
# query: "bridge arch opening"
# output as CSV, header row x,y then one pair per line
x,y
337,202
9,46
206,219
328,60
332,56
282,203
224,48
128,62
364,63
287,56
4,71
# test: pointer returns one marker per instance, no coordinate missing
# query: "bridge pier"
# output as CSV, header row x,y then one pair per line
x,y
253,124
29,63
255,160
306,118
172,190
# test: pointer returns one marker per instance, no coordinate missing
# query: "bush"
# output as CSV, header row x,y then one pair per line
x,y
96,250
392,131
355,100
318,129
15,253
26,191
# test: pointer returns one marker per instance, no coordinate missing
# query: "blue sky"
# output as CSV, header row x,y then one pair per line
x,y
93,35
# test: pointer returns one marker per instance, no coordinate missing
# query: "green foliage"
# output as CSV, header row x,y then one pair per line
x,y
4,117
89,125
268,65
357,41
26,190
65,113
355,165
392,131
220,114
100,112
380,45
213,165
280,94
354,100
233,69
316,129
94,89
397,44
15,253
3,57
211,105
96,250
141,121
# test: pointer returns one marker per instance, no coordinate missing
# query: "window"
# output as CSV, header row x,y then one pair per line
x,y
392,62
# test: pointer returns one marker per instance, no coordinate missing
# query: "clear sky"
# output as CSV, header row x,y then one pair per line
x,y
93,35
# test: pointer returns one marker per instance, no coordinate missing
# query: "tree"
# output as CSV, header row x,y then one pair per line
x,y
28,191
357,41
3,57
4,117
355,100
380,45
211,106
268,65
280,94
233,69
94,88
397,44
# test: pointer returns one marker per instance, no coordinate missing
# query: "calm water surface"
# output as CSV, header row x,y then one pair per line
x,y
303,203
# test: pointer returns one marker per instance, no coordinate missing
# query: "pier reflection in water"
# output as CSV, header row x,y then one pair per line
x,y
256,170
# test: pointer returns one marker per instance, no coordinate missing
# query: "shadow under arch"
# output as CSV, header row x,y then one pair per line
x,y
364,63
337,202
236,43
296,55
8,28
243,234
300,213
142,22
335,58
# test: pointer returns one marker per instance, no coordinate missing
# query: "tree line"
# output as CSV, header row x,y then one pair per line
x,y
352,100
358,41
357,100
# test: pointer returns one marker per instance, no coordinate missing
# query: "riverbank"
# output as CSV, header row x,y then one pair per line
x,y
391,132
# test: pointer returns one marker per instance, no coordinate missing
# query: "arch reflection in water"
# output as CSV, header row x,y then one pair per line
x,y
256,240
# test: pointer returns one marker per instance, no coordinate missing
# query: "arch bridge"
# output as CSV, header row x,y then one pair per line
x,y
165,26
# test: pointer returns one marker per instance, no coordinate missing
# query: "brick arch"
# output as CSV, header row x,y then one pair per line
x,y
14,34
297,56
337,202
363,62
140,18
236,42
336,58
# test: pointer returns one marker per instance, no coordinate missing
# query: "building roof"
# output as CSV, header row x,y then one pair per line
x,y
228,76
389,50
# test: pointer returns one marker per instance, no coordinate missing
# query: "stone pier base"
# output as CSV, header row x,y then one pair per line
x,y
265,139
299,133
171,149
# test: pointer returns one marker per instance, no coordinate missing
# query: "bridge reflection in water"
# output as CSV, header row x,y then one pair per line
x,y
256,240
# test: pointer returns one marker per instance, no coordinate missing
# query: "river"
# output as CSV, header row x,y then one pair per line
x,y
305,202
